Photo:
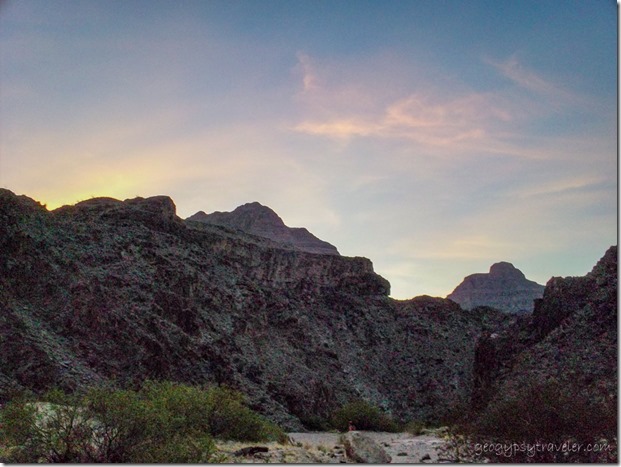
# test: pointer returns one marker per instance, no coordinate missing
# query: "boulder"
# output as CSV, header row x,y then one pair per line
x,y
361,448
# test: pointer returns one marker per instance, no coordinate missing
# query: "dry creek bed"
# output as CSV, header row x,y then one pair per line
x,y
325,447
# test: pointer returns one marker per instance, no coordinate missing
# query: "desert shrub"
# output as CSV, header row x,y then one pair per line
x,y
364,416
45,431
541,414
547,411
103,425
230,418
16,419
163,422
183,407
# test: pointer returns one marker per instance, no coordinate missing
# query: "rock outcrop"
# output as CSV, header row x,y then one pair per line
x,y
256,219
504,288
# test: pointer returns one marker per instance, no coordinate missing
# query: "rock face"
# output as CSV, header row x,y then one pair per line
x,y
256,219
121,291
571,337
504,288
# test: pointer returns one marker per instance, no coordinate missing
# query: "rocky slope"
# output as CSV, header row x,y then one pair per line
x,y
505,288
256,219
571,338
120,291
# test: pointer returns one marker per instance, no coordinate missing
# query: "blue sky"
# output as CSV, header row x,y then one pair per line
x,y
433,137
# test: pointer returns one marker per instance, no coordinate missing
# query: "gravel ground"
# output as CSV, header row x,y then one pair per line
x,y
404,448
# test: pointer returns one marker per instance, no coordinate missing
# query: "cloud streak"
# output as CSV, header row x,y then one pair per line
x,y
420,119
428,117
309,76
528,79
492,184
443,119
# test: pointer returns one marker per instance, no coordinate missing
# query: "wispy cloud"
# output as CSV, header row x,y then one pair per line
x,y
522,76
423,114
554,93
307,70
445,119
423,119
579,185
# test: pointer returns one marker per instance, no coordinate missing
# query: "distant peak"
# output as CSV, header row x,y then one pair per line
x,y
257,212
505,269
505,288
254,206
257,219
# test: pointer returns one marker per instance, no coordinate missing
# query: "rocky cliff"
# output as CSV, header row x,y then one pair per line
x,y
505,288
571,338
111,291
256,219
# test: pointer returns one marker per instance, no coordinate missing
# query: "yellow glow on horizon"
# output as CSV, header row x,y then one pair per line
x,y
57,200
128,180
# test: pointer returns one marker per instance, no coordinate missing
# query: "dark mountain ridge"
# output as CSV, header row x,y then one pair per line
x,y
115,292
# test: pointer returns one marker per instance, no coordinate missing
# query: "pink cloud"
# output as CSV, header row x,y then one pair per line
x,y
340,104
424,119
344,101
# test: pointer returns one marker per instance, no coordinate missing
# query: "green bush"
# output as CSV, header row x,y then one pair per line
x,y
547,411
364,416
142,427
542,413
21,416
45,431
163,422
230,418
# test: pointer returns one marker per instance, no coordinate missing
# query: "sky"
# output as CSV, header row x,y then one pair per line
x,y
433,137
